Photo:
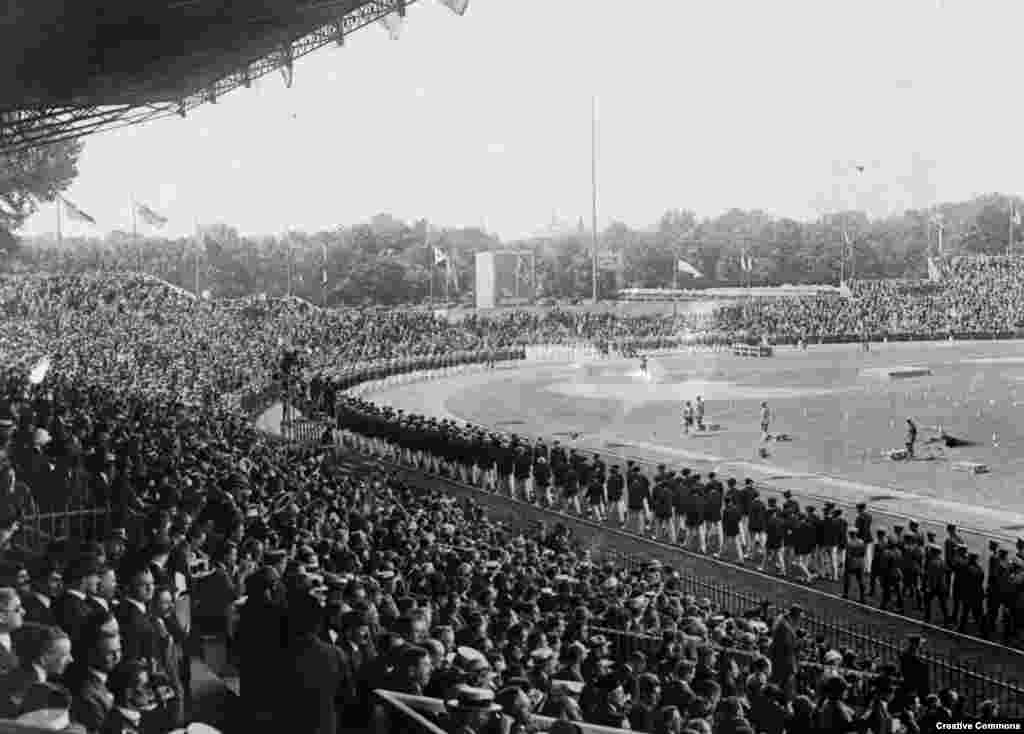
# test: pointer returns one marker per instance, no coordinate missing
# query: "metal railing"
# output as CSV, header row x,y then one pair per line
x,y
435,707
839,634
40,529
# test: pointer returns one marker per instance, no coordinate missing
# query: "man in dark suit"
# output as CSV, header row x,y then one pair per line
x,y
139,635
783,650
314,673
73,608
47,585
92,700
45,653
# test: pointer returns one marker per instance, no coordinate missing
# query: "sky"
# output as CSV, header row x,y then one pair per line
x,y
485,120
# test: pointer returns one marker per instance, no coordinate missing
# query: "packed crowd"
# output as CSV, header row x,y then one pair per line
x,y
977,295
328,581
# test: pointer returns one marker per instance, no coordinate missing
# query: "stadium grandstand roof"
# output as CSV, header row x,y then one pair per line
x,y
72,67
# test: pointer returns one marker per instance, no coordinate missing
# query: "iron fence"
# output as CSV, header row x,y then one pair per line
x,y
836,633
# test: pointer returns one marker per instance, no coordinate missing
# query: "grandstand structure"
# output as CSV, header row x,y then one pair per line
x,y
123,63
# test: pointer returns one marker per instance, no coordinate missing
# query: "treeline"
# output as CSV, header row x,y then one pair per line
x,y
387,261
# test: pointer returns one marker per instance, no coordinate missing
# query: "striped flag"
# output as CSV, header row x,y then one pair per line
x,y
1015,215
150,217
74,213
746,263
440,256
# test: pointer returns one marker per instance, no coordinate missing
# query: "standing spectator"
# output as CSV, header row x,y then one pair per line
x,y
139,636
913,670
47,585
72,608
784,648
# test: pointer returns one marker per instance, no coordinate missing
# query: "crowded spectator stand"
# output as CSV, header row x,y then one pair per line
x,y
326,577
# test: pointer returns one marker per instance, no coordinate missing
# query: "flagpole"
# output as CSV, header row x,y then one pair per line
x,y
447,278
197,258
593,187
60,235
1009,242
135,235
323,281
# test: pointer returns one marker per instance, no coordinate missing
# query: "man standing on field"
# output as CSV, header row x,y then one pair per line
x,y
766,418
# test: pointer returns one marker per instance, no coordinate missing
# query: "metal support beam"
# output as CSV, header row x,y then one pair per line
x,y
74,120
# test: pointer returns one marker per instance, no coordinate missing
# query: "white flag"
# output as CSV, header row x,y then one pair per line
x,y
38,373
440,256
149,216
685,267
393,23
74,213
1016,216
456,6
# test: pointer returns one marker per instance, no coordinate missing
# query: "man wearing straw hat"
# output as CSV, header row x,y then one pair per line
x,y
473,711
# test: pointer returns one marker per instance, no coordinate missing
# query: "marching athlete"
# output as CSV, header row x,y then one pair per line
x,y
766,418
687,418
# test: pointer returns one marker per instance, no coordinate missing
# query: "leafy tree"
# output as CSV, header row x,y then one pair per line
x,y
28,177
33,175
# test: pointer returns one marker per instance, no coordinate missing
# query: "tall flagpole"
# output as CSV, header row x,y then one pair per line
x,y
1009,242
447,277
323,280
135,235
198,246
593,187
60,235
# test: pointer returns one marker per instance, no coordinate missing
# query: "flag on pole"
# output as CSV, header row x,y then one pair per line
x,y
456,6
746,263
1015,214
74,213
934,274
150,217
685,267
440,256
393,23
